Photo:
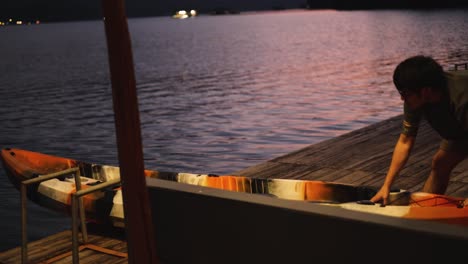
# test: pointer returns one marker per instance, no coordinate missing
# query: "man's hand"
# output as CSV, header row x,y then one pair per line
x,y
381,195
400,156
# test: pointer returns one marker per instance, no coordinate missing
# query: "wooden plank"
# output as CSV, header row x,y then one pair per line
x,y
60,243
460,176
456,189
38,250
461,192
355,177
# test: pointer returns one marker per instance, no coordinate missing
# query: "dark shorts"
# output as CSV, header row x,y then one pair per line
x,y
459,146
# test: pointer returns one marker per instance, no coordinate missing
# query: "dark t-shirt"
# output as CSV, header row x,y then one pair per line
x,y
448,117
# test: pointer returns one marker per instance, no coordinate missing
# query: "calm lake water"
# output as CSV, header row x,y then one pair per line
x,y
217,93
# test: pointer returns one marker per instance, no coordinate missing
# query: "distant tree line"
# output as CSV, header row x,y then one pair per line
x,y
50,10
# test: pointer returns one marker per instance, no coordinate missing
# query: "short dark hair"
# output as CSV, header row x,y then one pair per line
x,y
417,72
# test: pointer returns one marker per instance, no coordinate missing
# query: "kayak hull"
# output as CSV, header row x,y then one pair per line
x,y
106,206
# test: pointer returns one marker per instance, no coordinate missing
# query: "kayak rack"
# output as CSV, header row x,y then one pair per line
x,y
24,215
78,204
77,211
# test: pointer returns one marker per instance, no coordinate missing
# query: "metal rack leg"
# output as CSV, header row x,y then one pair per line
x,y
24,231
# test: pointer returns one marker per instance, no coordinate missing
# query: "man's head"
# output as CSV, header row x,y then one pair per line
x,y
418,79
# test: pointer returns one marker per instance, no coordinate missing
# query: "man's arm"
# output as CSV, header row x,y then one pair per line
x,y
401,154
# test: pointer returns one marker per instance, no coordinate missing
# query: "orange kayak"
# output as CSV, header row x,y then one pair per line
x,y
106,206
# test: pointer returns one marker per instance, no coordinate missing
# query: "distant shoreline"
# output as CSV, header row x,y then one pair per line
x,y
86,14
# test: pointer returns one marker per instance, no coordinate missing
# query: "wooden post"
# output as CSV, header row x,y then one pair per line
x,y
138,224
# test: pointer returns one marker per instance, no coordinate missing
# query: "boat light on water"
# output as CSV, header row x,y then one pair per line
x,y
182,14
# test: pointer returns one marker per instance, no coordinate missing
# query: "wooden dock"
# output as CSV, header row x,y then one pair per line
x,y
360,157
57,249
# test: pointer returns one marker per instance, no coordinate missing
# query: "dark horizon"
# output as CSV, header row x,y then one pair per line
x,y
59,10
